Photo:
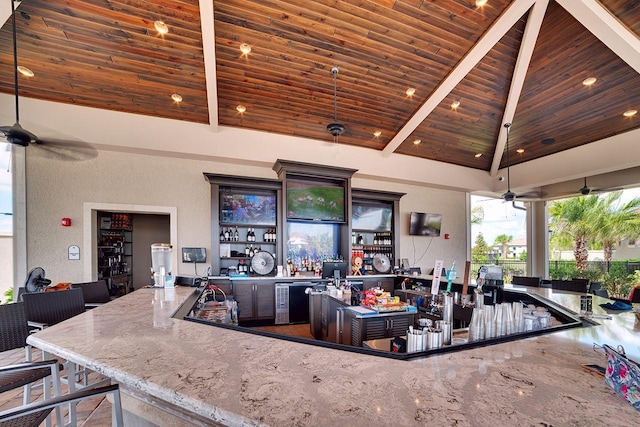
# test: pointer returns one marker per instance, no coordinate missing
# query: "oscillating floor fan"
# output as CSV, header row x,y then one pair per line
x,y
36,282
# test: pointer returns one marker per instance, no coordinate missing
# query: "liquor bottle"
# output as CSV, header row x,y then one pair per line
x,y
251,251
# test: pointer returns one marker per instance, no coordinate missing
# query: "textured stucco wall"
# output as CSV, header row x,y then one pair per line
x,y
57,188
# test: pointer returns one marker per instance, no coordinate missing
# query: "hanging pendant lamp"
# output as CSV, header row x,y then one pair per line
x,y
335,128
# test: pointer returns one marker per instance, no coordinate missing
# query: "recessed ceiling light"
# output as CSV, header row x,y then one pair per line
x,y
417,141
520,150
589,81
176,97
161,27
377,133
455,104
630,113
410,91
477,155
245,48
241,108
25,71
480,3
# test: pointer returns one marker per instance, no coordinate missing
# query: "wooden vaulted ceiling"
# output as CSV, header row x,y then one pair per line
x,y
520,61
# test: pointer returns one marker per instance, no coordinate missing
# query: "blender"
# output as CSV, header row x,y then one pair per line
x,y
161,254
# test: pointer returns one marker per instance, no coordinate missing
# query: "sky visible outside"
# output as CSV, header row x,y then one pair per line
x,y
502,218
5,189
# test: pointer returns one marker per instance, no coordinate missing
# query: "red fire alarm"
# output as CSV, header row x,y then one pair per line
x,y
65,222
446,236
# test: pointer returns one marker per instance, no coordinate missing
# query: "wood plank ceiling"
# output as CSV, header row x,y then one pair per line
x,y
106,54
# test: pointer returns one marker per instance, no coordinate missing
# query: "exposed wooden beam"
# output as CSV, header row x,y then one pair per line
x,y
475,55
209,50
529,38
607,28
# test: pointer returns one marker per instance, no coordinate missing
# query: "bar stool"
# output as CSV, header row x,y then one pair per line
x,y
13,334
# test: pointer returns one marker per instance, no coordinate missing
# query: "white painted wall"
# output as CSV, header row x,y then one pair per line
x,y
57,189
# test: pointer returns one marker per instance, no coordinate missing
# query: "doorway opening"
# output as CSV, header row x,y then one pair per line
x,y
137,227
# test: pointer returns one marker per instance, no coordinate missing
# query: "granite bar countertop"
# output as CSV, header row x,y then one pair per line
x,y
236,378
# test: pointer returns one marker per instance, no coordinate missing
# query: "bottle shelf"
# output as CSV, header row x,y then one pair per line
x,y
246,242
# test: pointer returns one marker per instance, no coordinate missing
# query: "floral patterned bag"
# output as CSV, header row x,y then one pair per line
x,y
623,375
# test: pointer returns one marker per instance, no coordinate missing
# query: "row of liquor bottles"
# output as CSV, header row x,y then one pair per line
x,y
229,234
379,238
368,252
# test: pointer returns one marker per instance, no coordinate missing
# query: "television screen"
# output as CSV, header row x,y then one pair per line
x,y
244,208
316,201
194,255
425,224
376,218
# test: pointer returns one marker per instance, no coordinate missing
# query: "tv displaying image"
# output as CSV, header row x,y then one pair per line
x,y
198,255
315,201
244,208
425,224
376,218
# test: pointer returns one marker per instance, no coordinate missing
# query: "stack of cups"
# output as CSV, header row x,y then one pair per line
x,y
518,318
489,322
446,329
476,327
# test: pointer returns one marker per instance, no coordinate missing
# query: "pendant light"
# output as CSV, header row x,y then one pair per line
x,y
335,128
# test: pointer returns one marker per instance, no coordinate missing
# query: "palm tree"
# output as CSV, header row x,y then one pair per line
x,y
477,215
503,240
575,216
615,224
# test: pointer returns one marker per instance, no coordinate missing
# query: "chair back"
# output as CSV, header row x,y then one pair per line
x,y
53,307
13,326
526,281
601,293
94,292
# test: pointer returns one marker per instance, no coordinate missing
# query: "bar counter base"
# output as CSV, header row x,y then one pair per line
x,y
143,410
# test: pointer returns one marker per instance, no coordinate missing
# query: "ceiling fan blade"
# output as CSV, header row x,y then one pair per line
x,y
66,150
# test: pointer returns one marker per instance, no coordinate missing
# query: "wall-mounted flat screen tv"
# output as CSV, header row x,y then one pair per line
x,y
371,217
237,207
315,201
196,255
425,224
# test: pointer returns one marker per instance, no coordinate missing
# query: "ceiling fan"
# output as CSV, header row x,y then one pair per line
x,y
510,196
17,135
586,190
335,128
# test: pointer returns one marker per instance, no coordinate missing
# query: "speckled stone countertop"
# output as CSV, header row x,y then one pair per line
x,y
235,378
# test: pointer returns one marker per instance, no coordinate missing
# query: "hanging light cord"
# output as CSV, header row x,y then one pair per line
x,y
15,58
508,125
334,71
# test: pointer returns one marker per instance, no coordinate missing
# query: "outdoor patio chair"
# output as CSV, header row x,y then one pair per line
x,y
95,293
13,335
33,414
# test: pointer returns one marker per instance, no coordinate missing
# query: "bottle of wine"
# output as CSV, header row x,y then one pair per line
x,y
226,234
246,250
221,235
236,235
